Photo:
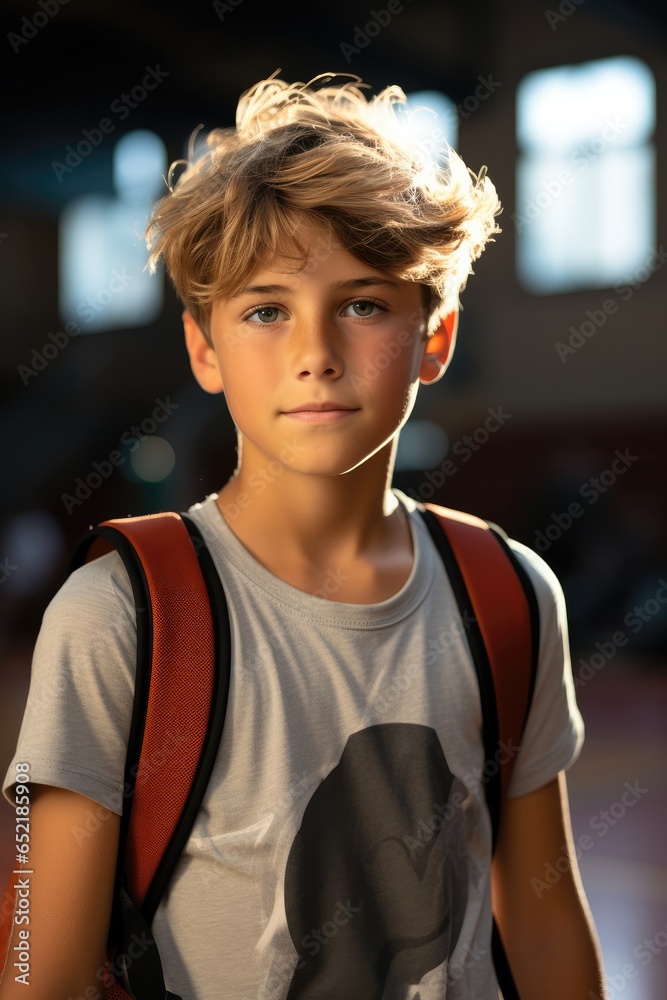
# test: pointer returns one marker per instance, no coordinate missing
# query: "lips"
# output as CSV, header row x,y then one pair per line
x,y
327,412
320,407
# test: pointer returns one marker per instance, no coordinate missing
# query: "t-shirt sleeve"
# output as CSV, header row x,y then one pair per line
x,y
554,732
77,717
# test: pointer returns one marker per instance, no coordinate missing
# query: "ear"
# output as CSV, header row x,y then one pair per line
x,y
439,349
203,359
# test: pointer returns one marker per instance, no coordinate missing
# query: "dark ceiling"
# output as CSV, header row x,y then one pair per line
x,y
75,60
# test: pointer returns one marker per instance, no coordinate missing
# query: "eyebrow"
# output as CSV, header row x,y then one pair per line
x,y
352,284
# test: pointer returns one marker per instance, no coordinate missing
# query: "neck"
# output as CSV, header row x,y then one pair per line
x,y
302,518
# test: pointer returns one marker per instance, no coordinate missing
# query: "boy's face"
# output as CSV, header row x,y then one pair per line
x,y
338,334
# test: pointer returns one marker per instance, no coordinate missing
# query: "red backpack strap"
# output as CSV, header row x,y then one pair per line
x,y
181,691
499,611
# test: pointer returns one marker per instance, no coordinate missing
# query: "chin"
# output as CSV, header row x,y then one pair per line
x,y
328,465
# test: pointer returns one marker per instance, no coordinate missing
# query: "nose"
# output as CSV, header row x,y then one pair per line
x,y
316,349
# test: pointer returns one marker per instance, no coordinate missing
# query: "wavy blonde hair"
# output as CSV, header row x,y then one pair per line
x,y
318,153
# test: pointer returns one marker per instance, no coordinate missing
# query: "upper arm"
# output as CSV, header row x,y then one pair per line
x,y
538,897
535,839
73,849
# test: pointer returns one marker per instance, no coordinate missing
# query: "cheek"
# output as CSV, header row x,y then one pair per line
x,y
246,369
242,387
389,364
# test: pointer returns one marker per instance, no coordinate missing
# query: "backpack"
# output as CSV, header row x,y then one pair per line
x,y
182,618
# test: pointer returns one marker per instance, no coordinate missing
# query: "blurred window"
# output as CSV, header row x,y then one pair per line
x,y
102,254
585,183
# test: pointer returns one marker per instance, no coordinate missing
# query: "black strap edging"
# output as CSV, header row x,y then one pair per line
x,y
490,730
124,921
491,734
143,976
500,961
139,971
144,620
223,641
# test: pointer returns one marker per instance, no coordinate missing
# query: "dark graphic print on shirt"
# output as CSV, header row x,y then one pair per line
x,y
376,883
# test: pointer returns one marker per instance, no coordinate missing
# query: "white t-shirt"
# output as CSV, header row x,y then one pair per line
x,y
343,846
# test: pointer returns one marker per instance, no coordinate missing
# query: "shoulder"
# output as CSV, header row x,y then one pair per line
x,y
88,635
99,594
103,587
545,582
549,595
547,587
79,706
95,592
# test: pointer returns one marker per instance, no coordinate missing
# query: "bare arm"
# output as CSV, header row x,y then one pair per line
x,y
73,848
547,929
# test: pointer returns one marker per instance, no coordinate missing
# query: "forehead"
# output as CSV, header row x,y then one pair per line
x,y
300,246
315,253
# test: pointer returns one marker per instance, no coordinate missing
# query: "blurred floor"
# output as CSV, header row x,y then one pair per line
x,y
618,798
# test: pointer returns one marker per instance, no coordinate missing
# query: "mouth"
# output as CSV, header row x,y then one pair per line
x,y
319,405
321,412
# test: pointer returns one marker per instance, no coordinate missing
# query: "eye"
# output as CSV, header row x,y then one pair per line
x,y
364,308
267,315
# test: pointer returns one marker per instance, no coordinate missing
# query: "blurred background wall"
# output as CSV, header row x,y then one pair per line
x,y
551,420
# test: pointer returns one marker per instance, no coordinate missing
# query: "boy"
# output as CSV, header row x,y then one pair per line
x,y
319,261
